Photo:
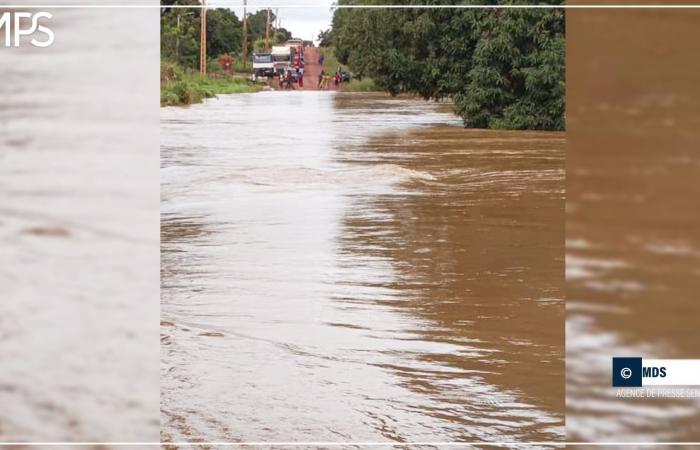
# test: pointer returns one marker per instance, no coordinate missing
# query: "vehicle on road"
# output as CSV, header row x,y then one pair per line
x,y
263,64
297,46
281,57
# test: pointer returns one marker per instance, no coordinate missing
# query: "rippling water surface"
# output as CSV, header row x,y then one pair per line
x,y
348,267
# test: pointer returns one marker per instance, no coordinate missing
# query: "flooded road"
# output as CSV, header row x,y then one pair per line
x,y
350,267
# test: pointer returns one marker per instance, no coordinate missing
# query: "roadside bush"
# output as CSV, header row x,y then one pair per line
x,y
170,72
238,66
169,98
214,67
187,92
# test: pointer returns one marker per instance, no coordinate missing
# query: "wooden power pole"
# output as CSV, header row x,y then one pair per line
x,y
245,35
267,32
203,39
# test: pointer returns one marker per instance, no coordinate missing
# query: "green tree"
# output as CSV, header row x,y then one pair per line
x,y
282,34
325,38
179,33
502,68
224,33
517,75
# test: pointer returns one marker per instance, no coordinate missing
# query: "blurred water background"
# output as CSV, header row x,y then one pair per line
x,y
79,215
633,215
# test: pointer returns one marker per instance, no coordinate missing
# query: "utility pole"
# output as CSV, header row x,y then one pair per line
x,y
245,35
267,32
203,39
177,40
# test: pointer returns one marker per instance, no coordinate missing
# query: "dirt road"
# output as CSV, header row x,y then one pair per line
x,y
312,69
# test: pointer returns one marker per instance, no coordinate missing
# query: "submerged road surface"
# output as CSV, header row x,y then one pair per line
x,y
351,267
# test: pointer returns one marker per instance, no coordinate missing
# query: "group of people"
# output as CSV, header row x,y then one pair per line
x,y
291,75
325,78
288,77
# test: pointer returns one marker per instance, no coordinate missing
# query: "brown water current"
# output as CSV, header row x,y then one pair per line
x,y
351,267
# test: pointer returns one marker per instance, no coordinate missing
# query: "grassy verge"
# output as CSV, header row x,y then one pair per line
x,y
179,87
331,64
363,85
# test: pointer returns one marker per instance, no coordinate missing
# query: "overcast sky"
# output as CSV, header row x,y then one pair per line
x,y
304,22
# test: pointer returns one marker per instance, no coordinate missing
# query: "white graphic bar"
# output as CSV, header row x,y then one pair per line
x,y
678,372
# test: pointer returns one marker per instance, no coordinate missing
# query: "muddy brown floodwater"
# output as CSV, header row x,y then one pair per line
x,y
351,267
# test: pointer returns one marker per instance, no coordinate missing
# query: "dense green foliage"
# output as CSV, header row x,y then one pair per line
x,y
324,38
502,68
179,33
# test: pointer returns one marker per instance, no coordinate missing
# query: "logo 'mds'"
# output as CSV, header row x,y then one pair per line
x,y
654,372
